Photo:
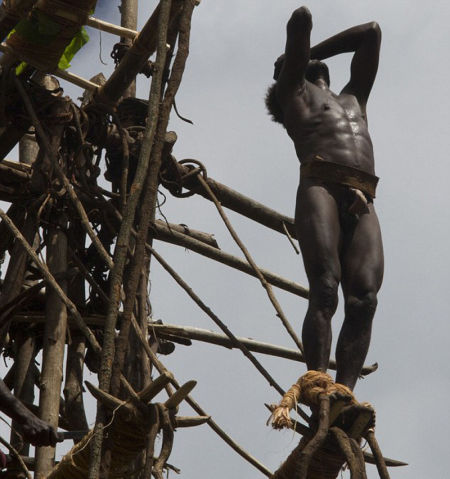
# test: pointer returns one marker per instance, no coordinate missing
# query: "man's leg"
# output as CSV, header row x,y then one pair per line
x,y
362,275
317,222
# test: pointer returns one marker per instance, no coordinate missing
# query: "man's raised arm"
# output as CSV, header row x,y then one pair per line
x,y
296,56
365,41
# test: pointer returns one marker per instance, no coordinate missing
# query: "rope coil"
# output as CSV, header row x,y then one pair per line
x,y
306,390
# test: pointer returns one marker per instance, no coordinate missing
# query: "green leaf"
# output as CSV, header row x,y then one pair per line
x,y
78,41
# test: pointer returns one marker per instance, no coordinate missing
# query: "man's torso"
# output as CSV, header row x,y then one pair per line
x,y
331,127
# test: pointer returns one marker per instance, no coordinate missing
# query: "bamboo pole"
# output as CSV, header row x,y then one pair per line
x,y
53,345
128,32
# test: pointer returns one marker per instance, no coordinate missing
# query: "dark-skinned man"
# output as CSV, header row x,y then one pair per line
x,y
336,222
35,431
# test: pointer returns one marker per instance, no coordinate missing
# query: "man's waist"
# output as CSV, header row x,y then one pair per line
x,y
340,174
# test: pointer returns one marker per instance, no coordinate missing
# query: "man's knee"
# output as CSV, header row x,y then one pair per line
x,y
361,306
323,295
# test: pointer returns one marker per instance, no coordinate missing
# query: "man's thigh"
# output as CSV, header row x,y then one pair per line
x,y
362,256
319,231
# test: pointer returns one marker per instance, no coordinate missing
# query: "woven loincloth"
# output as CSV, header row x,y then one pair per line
x,y
340,174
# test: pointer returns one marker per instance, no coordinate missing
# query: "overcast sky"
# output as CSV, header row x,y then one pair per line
x,y
234,44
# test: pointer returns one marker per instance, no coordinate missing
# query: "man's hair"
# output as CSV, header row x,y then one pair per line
x,y
316,69
272,104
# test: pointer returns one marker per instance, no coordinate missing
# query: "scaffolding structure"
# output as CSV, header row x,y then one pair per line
x,y
98,244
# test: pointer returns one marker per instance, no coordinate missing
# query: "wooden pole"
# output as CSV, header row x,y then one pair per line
x,y
111,28
17,266
121,249
172,332
53,345
128,20
241,204
24,378
74,412
55,325
163,233
131,64
28,149
249,258
25,339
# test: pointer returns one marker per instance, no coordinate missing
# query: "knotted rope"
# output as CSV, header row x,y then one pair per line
x,y
306,390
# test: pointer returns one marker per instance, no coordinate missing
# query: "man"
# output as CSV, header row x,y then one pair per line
x,y
35,431
336,223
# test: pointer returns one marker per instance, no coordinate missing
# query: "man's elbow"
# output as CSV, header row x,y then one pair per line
x,y
300,18
373,30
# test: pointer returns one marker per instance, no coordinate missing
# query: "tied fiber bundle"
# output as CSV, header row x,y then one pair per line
x,y
306,390
49,29
11,11
326,463
129,438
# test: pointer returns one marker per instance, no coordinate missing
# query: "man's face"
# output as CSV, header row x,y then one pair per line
x,y
317,70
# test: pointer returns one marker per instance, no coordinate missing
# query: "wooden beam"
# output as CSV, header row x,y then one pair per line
x,y
111,28
240,203
53,348
171,332
164,234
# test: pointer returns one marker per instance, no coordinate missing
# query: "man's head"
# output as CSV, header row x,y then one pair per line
x,y
315,70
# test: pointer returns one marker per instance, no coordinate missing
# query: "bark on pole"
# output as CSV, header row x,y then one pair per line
x,y
25,353
131,64
128,19
74,412
121,249
55,326
53,347
23,379
28,149
16,268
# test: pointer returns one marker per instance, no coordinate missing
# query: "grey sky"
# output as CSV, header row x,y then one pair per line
x,y
234,44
